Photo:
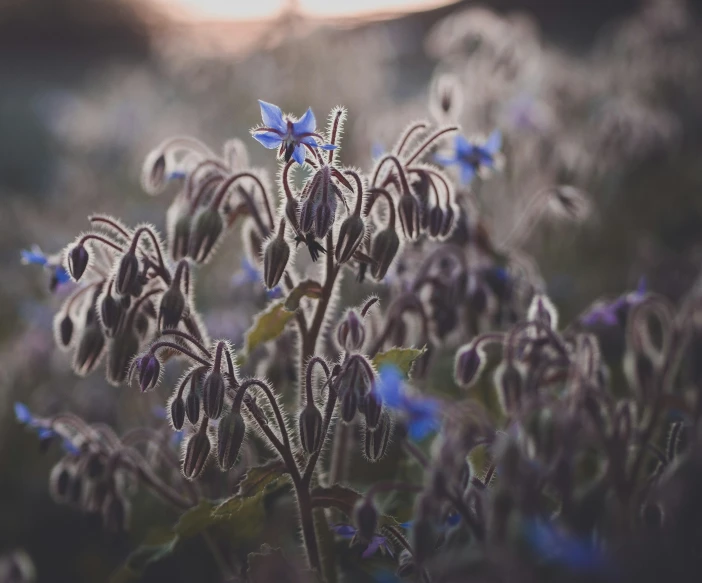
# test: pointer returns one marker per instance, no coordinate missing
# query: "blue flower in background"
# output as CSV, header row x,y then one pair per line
x,y
249,274
608,313
35,256
25,417
422,414
554,545
291,137
471,158
377,542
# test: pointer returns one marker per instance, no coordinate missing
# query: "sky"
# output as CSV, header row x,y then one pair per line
x,y
258,9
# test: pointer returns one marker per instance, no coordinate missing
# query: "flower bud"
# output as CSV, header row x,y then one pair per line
x,y
213,394
207,228
65,330
90,348
120,353
351,334
509,383
230,436
376,441
127,274
406,566
78,259
111,314
60,481
310,428
349,405
94,466
542,310
449,221
372,409
435,223
115,513
351,235
196,453
178,412
149,368
384,248
469,363
408,210
275,260
153,174
465,474
180,237
365,515
171,308
192,405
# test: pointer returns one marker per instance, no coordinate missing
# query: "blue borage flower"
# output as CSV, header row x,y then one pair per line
x,y
35,256
377,542
422,414
554,545
44,432
287,134
472,158
608,313
249,274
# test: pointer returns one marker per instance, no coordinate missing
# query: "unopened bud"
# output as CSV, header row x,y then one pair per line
x,y
349,405
310,428
408,210
60,481
509,382
406,567
78,259
153,174
126,281
65,330
120,353
365,515
275,260
435,223
351,235
207,228
542,310
376,441
149,368
465,475
372,409
180,237
449,221
178,412
213,394
230,436
384,248
469,363
171,309
192,403
111,314
90,349
196,453
351,334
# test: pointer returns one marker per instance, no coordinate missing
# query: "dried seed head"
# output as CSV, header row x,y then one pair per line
x,y
469,364
384,248
409,212
213,394
171,308
177,412
365,515
376,441
120,353
230,435
351,333
207,228
310,428
126,280
78,258
275,260
197,451
351,234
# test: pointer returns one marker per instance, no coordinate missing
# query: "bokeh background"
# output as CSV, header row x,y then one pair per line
x,y
603,94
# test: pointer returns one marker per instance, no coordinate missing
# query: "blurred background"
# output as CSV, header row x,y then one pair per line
x,y
604,94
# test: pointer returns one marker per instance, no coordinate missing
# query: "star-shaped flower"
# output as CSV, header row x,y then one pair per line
x,y
473,158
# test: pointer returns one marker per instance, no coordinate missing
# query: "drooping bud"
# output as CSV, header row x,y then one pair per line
x,y
351,235
90,346
468,365
196,453
310,428
275,258
230,436
376,441
435,222
509,383
406,567
153,174
207,228
409,211
465,475
111,314
60,481
213,394
78,259
542,310
178,412
384,248
449,221
94,466
372,409
192,406
120,353
349,405
65,330
351,334
180,237
127,274
149,368
171,308
365,515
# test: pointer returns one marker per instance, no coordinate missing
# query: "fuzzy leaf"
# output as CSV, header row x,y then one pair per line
x,y
259,476
268,325
402,358
307,288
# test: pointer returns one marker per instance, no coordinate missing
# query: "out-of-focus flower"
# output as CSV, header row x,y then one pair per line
x,y
249,274
45,433
52,263
377,542
422,414
608,313
472,158
287,134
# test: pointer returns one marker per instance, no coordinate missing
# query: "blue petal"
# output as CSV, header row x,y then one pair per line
x,y
306,125
327,147
422,427
268,140
390,386
70,447
309,140
463,146
35,257
275,293
61,274
344,529
23,414
494,142
299,154
272,116
467,173
45,433
374,545
177,174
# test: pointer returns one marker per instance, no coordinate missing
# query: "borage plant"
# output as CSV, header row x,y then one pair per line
x,y
547,474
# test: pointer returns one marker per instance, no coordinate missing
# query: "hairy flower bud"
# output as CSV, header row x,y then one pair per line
x,y
349,405
153,174
435,222
449,221
171,308
406,567
213,394
275,260
196,453
351,334
207,228
409,211
65,330
192,406
60,481
111,314
78,259
372,409
310,428
230,436
178,412
509,383
149,368
384,248
365,515
351,235
468,365
542,310
120,352
180,237
376,441
126,280
90,346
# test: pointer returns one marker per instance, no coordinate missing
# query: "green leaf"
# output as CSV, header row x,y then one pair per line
x,y
157,548
307,288
268,325
402,358
259,476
